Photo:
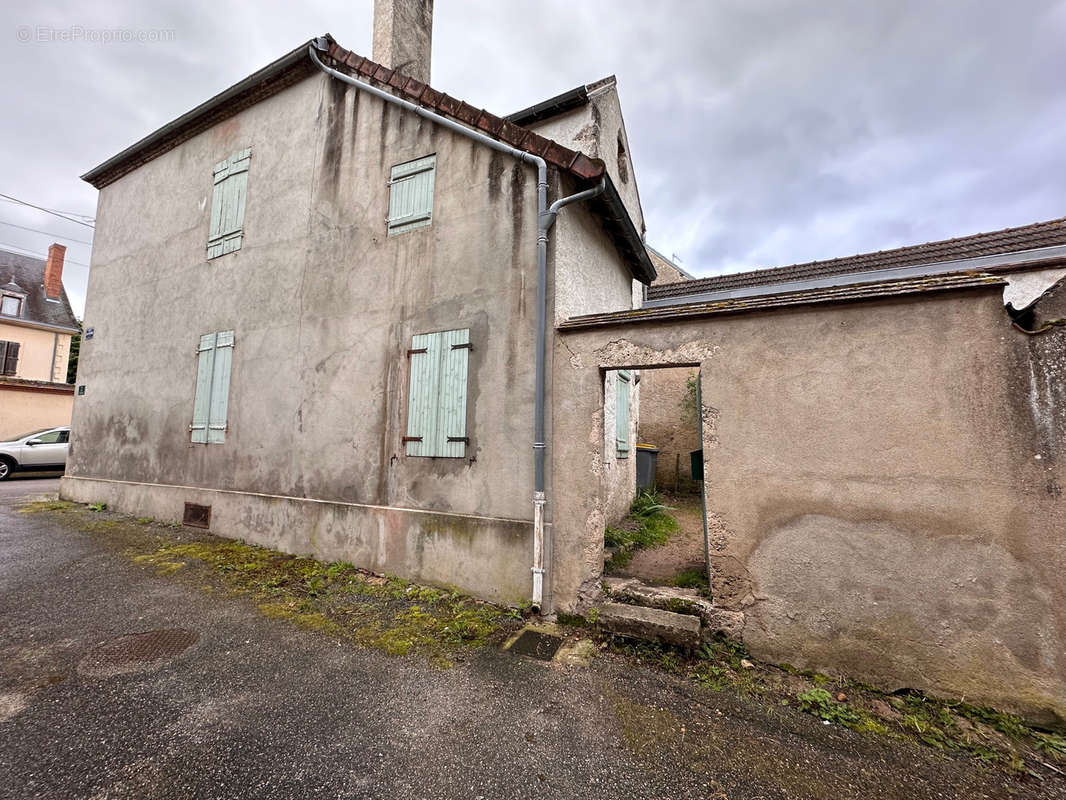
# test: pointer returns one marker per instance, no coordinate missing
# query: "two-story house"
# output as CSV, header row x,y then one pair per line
x,y
36,326
324,305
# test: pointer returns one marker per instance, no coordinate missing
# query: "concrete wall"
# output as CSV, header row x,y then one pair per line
x,y
25,409
598,130
884,487
43,354
323,304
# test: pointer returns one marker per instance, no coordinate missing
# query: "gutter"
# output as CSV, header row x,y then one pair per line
x,y
43,326
545,220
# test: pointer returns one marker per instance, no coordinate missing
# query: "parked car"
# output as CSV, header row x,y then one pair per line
x,y
42,450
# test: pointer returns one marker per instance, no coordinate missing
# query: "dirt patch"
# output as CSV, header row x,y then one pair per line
x,y
683,552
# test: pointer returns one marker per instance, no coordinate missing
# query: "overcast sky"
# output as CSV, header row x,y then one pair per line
x,y
763,133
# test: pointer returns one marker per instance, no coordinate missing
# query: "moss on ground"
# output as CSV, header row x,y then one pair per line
x,y
993,737
336,599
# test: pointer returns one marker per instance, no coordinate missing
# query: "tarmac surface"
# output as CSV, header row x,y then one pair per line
x,y
218,701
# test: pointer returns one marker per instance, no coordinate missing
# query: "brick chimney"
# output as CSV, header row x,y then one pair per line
x,y
53,272
403,36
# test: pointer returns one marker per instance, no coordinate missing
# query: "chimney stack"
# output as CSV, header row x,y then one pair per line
x,y
53,272
403,36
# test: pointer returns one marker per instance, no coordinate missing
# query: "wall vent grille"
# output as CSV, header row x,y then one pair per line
x,y
197,516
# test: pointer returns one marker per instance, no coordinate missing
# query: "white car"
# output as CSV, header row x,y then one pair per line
x,y
42,450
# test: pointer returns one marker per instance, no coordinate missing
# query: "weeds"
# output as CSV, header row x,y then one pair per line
x,y
648,525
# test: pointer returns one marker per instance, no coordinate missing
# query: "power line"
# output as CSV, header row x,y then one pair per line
x,y
49,233
88,217
25,252
46,210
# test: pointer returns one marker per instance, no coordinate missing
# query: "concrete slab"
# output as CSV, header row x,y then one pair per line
x,y
650,624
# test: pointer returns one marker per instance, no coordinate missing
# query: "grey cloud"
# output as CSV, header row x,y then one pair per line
x,y
763,133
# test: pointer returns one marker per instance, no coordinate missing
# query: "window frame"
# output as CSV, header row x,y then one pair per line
x,y
438,395
18,305
210,414
623,445
6,357
229,199
411,173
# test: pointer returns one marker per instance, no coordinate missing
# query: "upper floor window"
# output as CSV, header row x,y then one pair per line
x,y
411,195
9,358
11,306
227,204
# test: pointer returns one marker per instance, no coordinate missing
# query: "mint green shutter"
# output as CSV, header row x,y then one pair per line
x,y
621,413
411,195
451,405
216,426
202,404
227,204
436,409
422,400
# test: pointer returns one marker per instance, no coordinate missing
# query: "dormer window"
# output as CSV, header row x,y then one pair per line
x,y
11,306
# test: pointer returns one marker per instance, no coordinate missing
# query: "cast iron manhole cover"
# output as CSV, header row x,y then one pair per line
x,y
136,652
537,645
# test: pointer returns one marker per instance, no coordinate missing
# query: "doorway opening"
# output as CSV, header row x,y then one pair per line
x,y
655,521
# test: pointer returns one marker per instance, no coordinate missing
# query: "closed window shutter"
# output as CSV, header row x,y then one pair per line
x,y
202,404
227,204
451,406
9,358
422,400
621,412
411,195
436,410
219,406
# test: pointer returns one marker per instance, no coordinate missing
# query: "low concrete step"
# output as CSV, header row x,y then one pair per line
x,y
649,624
681,601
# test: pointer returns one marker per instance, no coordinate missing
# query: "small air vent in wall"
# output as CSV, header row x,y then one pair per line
x,y
197,516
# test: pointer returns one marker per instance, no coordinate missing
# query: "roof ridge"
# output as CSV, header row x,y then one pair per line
x,y
927,252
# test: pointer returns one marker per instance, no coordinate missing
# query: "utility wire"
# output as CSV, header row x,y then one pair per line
x,y
49,233
47,211
87,217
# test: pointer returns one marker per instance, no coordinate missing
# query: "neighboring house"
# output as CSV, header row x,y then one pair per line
x,y
316,317
36,325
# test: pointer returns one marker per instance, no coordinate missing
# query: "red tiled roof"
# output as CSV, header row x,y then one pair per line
x,y
1008,240
294,66
575,162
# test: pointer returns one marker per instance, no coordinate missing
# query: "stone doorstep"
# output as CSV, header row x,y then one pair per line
x,y
715,621
651,624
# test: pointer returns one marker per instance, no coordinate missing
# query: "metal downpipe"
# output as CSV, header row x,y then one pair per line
x,y
545,220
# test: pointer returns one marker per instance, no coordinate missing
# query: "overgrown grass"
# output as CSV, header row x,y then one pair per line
x,y
649,524
690,579
336,599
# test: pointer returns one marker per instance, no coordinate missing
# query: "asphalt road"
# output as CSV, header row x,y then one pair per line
x,y
258,708
18,486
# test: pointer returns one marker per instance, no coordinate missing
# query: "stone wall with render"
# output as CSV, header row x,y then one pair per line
x,y
884,487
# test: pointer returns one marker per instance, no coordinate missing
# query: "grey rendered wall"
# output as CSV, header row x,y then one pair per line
x,y
323,304
884,487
